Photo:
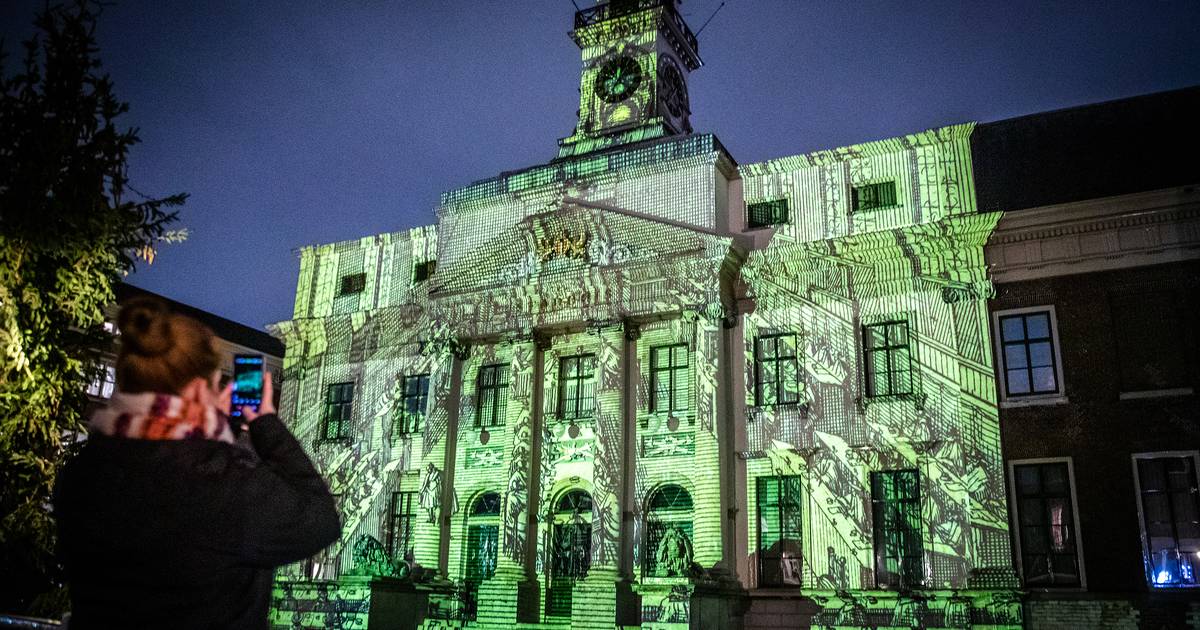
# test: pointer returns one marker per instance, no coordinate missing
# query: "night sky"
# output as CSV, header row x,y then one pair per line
x,y
297,123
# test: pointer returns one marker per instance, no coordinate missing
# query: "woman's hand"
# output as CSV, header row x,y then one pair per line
x,y
268,400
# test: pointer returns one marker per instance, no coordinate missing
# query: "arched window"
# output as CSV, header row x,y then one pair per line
x,y
570,551
483,533
668,550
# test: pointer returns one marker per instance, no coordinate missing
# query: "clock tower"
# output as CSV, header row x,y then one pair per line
x,y
633,83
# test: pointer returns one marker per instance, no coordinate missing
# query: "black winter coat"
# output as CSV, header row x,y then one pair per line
x,y
187,533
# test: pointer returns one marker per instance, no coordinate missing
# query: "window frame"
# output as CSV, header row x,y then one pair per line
x,y
1018,400
423,270
564,522
671,371
801,504
887,351
1015,510
758,369
665,517
328,406
352,283
499,402
1145,540
409,516
104,382
405,424
875,532
775,218
855,207
580,381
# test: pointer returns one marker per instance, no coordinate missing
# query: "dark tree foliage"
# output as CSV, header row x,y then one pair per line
x,y
69,229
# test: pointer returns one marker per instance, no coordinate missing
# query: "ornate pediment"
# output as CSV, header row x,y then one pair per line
x,y
568,238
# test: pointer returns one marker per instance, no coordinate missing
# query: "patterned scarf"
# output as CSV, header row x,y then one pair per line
x,y
150,416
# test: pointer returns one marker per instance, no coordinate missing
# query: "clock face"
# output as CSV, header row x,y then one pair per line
x,y
672,91
618,79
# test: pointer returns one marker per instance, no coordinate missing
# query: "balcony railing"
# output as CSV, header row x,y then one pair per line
x,y
616,8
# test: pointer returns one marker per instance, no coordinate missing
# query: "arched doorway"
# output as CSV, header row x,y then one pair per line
x,y
570,550
483,533
668,548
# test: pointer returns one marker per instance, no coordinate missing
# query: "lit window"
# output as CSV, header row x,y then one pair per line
x,y
493,395
779,530
776,370
873,196
889,365
414,398
669,378
1029,364
767,213
896,516
104,382
668,550
400,527
1169,500
339,400
1045,516
576,376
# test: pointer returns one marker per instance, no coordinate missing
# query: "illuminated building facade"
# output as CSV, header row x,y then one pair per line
x,y
643,385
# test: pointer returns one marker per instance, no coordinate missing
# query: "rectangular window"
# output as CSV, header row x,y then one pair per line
x,y
873,196
889,363
1169,500
339,399
353,283
576,376
493,395
776,370
779,530
896,516
103,384
422,271
1028,353
1046,524
767,213
669,378
414,398
400,524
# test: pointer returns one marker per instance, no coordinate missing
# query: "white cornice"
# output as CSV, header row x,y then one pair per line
x,y
1097,235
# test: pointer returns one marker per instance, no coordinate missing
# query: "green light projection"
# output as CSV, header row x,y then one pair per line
x,y
583,401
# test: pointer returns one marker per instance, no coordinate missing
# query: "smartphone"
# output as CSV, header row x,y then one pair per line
x,y
247,383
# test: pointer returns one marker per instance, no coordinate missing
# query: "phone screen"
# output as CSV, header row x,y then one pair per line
x,y
247,382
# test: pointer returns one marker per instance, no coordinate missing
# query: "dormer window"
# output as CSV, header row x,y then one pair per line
x,y
767,213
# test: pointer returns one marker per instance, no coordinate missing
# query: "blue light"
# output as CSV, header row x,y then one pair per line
x,y
1163,577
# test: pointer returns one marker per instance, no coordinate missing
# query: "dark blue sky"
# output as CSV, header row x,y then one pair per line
x,y
295,123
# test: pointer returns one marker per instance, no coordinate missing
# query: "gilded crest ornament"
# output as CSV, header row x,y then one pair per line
x,y
563,246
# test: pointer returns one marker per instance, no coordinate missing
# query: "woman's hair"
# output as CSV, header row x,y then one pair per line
x,y
162,351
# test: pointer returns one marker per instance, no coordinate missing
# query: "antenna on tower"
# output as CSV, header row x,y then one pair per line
x,y
714,14
576,5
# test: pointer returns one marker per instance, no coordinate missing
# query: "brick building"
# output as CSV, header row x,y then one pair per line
x,y
1096,265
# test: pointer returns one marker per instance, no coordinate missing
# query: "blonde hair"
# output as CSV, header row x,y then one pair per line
x,y
162,351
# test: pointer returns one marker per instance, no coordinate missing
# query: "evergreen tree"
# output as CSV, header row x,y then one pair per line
x,y
70,227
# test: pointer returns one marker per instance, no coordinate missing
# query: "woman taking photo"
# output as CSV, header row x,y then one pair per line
x,y
164,522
